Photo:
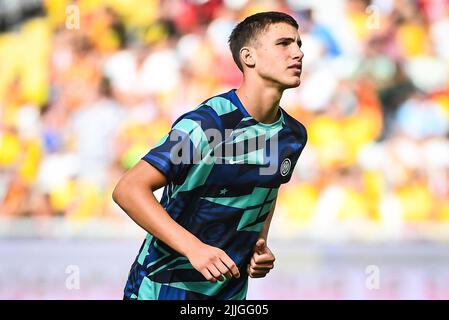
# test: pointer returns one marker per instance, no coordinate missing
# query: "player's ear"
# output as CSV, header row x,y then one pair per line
x,y
247,56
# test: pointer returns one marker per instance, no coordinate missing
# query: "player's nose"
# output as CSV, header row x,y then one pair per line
x,y
298,54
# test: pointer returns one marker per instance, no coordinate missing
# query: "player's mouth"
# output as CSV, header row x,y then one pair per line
x,y
297,67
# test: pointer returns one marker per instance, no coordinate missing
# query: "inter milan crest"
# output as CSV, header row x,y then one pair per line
x,y
285,167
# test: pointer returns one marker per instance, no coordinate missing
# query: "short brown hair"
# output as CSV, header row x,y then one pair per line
x,y
248,30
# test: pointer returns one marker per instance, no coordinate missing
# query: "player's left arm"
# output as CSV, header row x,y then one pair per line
x,y
262,260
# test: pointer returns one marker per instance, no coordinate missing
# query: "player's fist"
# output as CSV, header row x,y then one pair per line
x,y
262,260
213,263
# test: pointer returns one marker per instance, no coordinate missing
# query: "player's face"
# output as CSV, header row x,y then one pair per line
x,y
279,56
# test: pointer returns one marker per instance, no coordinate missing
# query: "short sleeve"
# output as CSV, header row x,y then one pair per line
x,y
184,145
288,165
292,153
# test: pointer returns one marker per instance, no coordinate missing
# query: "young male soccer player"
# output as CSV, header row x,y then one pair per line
x,y
209,232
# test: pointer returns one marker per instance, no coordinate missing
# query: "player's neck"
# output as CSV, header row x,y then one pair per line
x,y
262,103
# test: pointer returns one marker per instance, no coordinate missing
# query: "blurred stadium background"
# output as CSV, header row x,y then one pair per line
x,y
88,87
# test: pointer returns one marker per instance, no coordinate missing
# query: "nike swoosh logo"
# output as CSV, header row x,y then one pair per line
x,y
234,162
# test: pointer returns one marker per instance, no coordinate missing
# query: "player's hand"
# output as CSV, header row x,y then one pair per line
x,y
213,263
262,260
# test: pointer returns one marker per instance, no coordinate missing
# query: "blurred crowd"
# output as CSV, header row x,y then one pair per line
x,y
89,87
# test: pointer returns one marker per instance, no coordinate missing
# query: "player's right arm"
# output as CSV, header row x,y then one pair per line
x,y
134,194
